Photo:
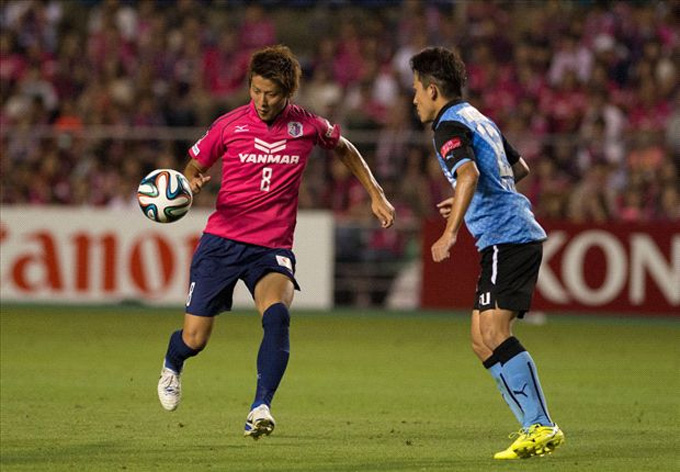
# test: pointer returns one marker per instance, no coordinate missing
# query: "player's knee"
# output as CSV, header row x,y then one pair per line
x,y
492,336
276,315
479,348
195,339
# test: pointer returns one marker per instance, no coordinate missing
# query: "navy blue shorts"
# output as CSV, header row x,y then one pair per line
x,y
219,263
508,277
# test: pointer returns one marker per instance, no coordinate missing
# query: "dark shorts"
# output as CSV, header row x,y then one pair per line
x,y
508,277
219,263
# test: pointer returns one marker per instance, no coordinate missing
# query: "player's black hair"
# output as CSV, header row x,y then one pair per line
x,y
442,67
278,64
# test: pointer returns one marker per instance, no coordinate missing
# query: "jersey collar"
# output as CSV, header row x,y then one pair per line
x,y
452,103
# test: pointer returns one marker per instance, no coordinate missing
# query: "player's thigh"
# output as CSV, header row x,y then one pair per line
x,y
216,266
272,288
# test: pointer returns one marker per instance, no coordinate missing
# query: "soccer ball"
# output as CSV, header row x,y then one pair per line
x,y
164,195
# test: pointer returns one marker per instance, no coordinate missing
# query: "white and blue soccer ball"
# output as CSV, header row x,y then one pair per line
x,y
164,195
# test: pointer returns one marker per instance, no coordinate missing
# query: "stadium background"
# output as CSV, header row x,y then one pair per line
x,y
97,93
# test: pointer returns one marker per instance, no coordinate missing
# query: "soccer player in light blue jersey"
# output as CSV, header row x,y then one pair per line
x,y
483,168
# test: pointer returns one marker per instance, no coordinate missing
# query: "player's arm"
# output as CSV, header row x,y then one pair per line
x,y
520,169
456,207
195,173
350,156
454,144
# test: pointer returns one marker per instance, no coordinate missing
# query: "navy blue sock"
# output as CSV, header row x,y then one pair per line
x,y
178,352
272,358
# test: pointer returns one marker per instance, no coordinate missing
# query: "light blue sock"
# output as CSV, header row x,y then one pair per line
x,y
518,376
495,371
519,373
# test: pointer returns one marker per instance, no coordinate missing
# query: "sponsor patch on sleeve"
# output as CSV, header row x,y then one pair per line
x,y
195,149
450,145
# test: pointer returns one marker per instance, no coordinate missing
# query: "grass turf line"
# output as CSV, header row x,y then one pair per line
x,y
383,392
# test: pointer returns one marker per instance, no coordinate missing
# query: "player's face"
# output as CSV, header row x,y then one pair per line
x,y
268,97
423,101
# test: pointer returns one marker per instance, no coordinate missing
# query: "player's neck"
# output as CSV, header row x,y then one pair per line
x,y
442,103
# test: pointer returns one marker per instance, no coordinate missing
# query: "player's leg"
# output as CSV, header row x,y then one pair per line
x,y
183,344
492,365
213,275
517,368
273,295
504,291
539,434
188,341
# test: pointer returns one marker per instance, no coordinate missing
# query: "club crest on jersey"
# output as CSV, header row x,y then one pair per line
x,y
295,129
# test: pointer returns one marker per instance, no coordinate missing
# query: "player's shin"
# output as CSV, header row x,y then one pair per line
x,y
274,352
494,367
178,352
518,372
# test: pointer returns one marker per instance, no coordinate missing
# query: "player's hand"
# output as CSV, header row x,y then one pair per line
x,y
384,211
442,247
198,182
445,206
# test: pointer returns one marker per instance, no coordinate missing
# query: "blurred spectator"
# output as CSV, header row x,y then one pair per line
x,y
592,200
603,124
257,29
588,92
322,94
673,129
392,152
571,56
224,65
400,62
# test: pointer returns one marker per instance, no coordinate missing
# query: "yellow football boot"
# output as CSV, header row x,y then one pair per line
x,y
536,441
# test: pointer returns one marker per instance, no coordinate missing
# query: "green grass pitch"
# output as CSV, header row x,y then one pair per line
x,y
364,391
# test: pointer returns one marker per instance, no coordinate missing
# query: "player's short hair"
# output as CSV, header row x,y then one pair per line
x,y
442,67
278,64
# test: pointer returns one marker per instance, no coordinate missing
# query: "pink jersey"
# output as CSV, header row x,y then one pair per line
x,y
262,167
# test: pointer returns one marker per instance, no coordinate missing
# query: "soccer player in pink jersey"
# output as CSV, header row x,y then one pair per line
x,y
264,147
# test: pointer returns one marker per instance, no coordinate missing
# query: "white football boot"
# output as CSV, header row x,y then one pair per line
x,y
169,389
259,422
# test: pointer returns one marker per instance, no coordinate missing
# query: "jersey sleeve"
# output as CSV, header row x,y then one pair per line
x,y
210,147
510,152
454,144
328,134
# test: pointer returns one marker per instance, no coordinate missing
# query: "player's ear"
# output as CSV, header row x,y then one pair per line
x,y
432,91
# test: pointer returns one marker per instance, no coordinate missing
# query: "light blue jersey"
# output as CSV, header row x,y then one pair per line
x,y
497,214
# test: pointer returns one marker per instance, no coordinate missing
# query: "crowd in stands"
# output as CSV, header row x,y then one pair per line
x,y
586,90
